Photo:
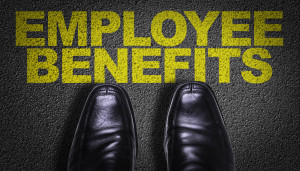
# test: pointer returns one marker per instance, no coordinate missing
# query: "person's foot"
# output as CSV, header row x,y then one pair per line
x,y
105,138
195,135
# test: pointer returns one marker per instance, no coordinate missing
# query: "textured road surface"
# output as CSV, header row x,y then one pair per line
x,y
38,120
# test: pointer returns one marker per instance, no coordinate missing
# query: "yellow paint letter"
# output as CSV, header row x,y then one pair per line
x,y
156,28
171,65
102,60
97,27
129,38
202,27
200,64
138,65
22,28
33,65
224,61
260,27
265,68
56,20
228,28
68,65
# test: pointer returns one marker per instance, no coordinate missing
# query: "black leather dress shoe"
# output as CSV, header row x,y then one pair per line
x,y
105,138
195,135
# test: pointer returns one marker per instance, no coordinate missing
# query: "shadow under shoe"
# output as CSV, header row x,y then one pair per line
x,y
195,135
105,138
